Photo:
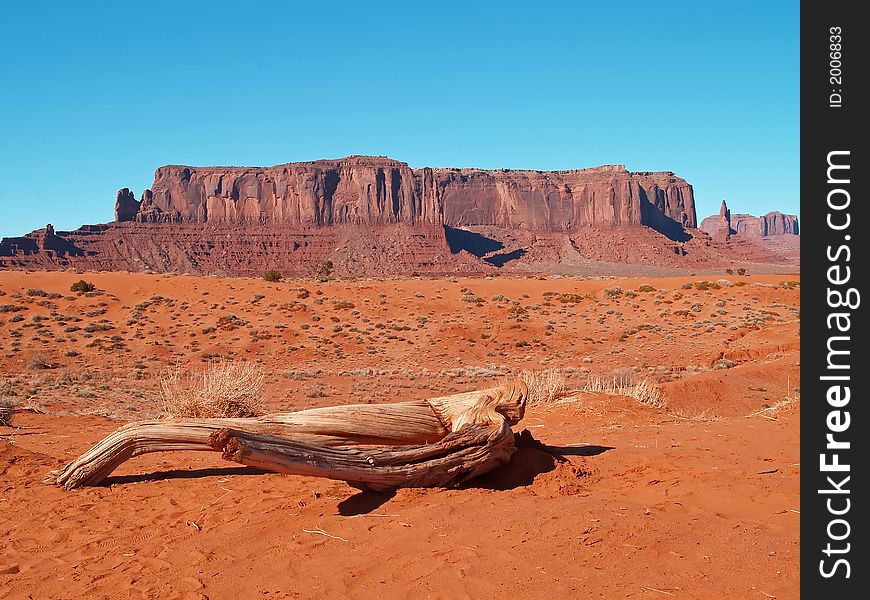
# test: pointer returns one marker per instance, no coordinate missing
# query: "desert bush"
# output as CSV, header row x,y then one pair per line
x,y
645,287
83,287
570,298
37,292
741,271
322,268
706,285
224,389
544,386
7,410
624,383
39,361
272,276
613,292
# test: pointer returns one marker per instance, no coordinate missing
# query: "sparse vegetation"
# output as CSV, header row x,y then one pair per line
x,y
772,411
342,304
272,276
82,287
544,386
624,383
322,268
39,361
225,389
7,410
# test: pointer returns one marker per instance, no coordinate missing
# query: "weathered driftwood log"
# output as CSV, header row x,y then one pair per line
x,y
426,443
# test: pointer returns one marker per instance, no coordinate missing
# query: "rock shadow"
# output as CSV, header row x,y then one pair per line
x,y
499,260
474,243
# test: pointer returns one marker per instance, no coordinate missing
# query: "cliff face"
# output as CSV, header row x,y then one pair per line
x,y
726,224
773,223
361,190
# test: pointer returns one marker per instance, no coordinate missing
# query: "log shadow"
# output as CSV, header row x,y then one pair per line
x,y
531,459
364,502
181,474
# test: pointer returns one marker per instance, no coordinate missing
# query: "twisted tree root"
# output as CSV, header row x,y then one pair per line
x,y
438,442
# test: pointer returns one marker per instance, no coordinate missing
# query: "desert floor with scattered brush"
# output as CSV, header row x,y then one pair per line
x,y
661,457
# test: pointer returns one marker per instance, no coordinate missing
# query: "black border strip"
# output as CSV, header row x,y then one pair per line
x,y
833,243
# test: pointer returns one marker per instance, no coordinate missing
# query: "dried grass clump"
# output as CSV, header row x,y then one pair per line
x,y
39,361
772,412
7,410
225,389
544,386
624,383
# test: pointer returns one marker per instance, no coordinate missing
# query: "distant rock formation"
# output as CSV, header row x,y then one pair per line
x,y
126,205
773,223
724,225
719,226
364,190
378,216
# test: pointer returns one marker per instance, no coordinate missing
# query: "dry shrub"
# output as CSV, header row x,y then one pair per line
x,y
624,383
7,409
225,389
544,386
772,412
39,361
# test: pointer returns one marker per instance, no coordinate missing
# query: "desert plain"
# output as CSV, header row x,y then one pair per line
x,y
690,490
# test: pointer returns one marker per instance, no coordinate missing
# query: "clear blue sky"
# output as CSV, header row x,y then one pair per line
x,y
94,96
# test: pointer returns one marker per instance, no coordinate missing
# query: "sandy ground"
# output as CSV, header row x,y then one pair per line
x,y
696,500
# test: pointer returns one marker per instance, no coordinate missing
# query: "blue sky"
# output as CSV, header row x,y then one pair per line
x,y
96,95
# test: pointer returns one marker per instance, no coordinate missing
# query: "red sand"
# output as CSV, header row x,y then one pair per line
x,y
695,501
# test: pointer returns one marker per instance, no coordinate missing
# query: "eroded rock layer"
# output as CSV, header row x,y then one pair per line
x,y
360,190
233,250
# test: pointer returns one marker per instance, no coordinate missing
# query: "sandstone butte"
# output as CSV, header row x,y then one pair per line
x,y
773,223
377,216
